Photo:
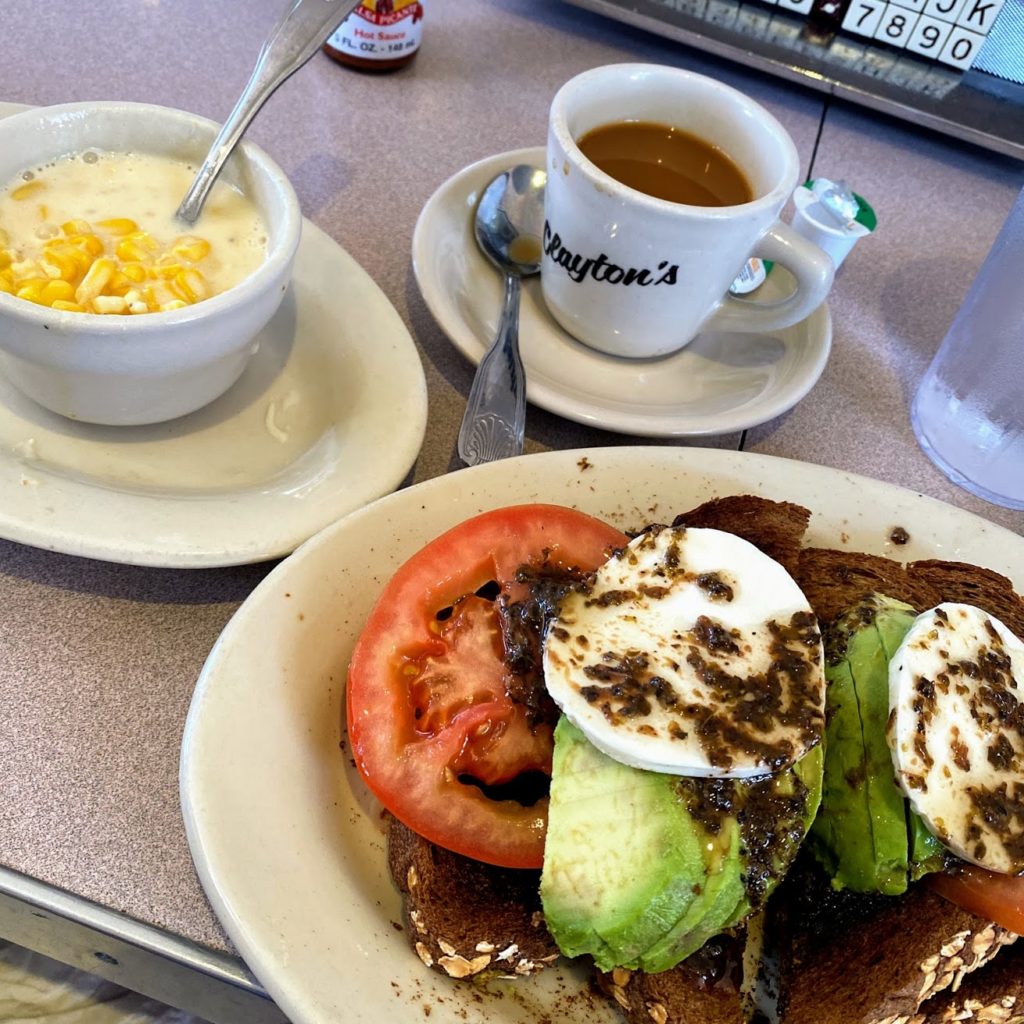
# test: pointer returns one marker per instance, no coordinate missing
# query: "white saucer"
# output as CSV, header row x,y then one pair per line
x,y
329,415
718,384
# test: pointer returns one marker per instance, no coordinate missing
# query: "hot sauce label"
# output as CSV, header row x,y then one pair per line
x,y
381,30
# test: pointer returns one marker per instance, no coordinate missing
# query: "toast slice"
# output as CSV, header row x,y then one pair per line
x,y
850,958
970,584
835,581
464,917
776,527
703,989
884,960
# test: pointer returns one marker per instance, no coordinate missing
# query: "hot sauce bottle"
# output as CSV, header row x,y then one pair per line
x,y
379,35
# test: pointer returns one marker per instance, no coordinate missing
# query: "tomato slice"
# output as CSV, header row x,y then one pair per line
x,y
432,723
998,898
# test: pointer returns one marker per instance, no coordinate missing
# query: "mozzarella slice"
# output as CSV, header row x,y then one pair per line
x,y
693,653
956,731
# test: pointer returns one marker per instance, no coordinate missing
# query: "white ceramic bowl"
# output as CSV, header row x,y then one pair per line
x,y
123,370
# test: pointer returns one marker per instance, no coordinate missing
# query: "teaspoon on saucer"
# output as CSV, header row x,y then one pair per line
x,y
508,226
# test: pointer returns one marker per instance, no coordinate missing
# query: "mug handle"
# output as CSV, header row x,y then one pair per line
x,y
813,269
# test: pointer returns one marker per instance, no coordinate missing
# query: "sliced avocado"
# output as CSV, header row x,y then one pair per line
x,y
622,859
868,657
641,869
755,846
926,853
863,834
719,900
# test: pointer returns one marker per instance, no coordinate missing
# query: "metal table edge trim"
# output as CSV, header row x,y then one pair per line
x,y
218,966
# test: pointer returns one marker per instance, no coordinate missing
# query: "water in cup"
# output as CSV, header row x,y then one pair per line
x,y
969,410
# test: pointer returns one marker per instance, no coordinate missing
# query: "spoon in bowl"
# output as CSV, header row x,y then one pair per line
x,y
302,30
508,226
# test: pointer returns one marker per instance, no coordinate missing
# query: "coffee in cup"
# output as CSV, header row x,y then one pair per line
x,y
661,184
666,162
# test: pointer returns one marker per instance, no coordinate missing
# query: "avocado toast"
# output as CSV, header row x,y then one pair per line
x,y
835,582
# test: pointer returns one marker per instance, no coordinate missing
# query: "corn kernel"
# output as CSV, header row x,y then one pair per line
x,y
22,269
191,248
32,289
55,290
146,240
190,285
95,280
168,271
135,272
128,249
72,271
70,263
92,244
119,284
28,189
43,211
109,304
118,225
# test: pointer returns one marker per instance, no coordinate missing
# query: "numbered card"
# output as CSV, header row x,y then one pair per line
x,y
929,36
863,16
944,10
896,25
979,15
950,32
961,48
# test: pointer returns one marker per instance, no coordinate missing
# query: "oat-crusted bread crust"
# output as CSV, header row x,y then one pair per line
x,y
992,996
463,917
776,527
694,992
856,959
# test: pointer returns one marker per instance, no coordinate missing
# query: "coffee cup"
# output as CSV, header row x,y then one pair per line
x,y
639,247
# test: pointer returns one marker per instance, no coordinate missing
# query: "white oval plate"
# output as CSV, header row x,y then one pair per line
x,y
285,839
329,415
718,384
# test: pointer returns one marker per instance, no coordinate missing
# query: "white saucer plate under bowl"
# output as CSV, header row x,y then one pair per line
x,y
718,384
285,838
329,415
